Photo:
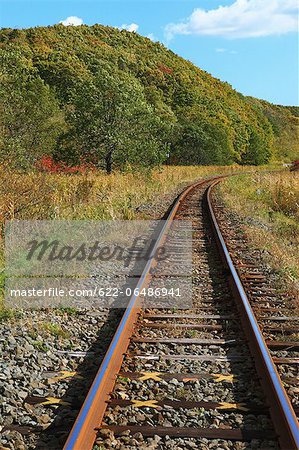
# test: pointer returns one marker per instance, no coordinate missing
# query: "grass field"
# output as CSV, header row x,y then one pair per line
x,y
269,205
94,195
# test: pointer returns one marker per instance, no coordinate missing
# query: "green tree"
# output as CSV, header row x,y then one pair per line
x,y
30,117
201,140
112,125
258,151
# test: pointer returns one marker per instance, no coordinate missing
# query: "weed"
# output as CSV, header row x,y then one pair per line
x,y
40,346
191,333
6,314
67,310
272,200
54,329
123,379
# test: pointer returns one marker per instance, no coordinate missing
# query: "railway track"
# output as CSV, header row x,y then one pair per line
x,y
186,378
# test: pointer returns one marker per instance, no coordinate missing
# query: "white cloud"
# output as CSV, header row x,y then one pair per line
x,y
225,50
72,20
241,19
152,37
133,27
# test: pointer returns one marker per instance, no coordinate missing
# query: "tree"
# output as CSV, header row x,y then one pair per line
x,y
258,152
112,125
31,119
201,140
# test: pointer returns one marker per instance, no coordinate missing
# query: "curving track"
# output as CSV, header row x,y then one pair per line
x,y
218,343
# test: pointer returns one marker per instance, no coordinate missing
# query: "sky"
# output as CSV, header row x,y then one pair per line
x,y
251,44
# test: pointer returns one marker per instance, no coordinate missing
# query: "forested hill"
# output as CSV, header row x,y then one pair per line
x,y
114,98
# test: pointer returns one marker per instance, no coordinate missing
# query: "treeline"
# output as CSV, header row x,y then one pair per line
x,y
97,95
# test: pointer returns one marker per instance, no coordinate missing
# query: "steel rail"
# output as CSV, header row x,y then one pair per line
x,y
83,433
281,410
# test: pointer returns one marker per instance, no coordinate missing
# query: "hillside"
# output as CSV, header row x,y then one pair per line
x,y
113,98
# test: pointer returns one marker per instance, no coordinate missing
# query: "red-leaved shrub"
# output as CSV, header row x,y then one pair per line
x,y
165,69
47,164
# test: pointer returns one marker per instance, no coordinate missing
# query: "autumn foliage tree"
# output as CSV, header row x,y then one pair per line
x,y
112,125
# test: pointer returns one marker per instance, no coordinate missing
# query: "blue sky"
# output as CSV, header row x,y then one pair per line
x,y
251,44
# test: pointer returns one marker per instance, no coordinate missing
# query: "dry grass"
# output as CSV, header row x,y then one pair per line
x,y
93,195
90,196
269,203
